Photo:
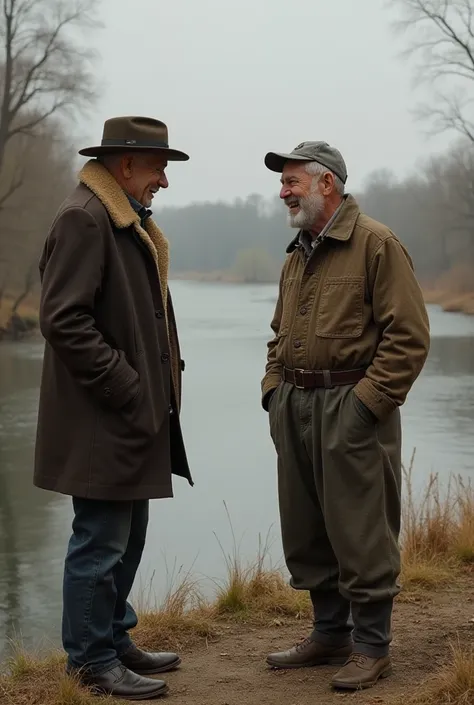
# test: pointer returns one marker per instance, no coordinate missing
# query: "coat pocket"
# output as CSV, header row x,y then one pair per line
x,y
341,308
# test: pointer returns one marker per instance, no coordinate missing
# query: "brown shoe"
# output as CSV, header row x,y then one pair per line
x,y
310,653
361,671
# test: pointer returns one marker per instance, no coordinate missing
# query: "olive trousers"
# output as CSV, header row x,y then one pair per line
x,y
339,486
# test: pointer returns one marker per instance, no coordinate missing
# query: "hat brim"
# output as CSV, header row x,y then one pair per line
x,y
172,155
275,161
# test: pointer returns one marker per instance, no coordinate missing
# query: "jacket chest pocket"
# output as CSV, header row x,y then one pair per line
x,y
341,308
288,295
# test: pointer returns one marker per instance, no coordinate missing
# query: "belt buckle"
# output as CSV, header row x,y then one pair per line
x,y
297,372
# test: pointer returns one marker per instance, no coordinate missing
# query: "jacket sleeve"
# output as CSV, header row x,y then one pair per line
x,y
72,269
400,314
273,369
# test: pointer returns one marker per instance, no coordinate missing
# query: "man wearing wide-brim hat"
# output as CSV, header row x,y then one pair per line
x,y
108,428
350,337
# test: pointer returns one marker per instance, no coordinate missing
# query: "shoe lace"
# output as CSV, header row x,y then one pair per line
x,y
358,659
303,644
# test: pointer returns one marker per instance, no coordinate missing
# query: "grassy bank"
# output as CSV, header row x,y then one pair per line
x,y
438,557
448,298
451,302
453,290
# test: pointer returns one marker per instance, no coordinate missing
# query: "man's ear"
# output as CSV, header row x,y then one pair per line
x,y
328,183
126,166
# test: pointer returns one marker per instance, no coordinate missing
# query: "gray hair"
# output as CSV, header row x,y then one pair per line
x,y
316,169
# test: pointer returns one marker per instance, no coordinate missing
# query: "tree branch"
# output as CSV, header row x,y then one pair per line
x,y
442,36
16,183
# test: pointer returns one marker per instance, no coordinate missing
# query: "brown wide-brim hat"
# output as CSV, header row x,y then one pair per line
x,y
134,134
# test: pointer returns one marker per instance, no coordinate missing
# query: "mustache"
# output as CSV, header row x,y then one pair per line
x,y
292,201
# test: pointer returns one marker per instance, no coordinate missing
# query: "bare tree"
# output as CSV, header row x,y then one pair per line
x,y
440,38
30,281
45,69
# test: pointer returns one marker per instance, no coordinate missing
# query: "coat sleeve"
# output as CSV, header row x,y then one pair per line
x,y
72,268
400,314
273,369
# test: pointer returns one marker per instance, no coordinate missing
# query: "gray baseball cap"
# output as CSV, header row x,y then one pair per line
x,y
320,152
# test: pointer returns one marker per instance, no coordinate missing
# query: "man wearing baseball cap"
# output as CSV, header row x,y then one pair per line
x,y
351,335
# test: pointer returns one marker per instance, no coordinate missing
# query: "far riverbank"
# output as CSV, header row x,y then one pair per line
x,y
447,299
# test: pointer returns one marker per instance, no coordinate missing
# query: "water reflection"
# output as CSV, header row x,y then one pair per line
x,y
451,356
223,329
26,515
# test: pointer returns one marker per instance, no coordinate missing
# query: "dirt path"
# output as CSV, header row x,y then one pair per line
x,y
232,670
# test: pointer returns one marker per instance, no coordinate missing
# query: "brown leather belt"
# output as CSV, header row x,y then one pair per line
x,y
310,379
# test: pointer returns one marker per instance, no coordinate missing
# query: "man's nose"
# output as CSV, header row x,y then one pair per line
x,y
163,181
285,192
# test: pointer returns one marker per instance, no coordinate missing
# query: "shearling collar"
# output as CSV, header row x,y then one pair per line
x,y
103,185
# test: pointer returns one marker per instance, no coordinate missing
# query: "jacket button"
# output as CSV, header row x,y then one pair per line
x,y
165,357
159,314
107,391
303,311
297,343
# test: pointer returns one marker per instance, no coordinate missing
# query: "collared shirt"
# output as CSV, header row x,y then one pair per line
x,y
308,243
143,212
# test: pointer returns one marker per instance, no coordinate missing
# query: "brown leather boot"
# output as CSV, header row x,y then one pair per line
x,y
310,653
361,671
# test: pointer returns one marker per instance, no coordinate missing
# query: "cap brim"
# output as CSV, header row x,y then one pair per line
x,y
172,155
275,161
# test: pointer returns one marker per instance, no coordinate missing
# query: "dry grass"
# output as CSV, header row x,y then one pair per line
x,y
32,680
179,621
255,591
453,291
452,685
259,594
437,532
449,302
182,620
437,542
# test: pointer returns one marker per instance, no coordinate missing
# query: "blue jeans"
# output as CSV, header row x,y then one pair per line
x,y
104,553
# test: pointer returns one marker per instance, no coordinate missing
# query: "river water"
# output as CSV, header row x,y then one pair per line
x,y
223,329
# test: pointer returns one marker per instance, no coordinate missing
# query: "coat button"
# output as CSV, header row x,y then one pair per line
x,y
107,391
165,357
159,314
303,311
297,343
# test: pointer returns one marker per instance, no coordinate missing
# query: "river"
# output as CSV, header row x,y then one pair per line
x,y
223,330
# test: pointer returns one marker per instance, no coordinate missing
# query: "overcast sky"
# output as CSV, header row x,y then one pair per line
x,y
234,79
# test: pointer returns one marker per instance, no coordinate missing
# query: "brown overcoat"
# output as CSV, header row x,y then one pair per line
x,y
108,424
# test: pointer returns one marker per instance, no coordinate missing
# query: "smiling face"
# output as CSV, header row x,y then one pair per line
x,y
142,175
302,195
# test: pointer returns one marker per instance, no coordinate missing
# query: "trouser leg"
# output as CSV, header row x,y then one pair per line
x,y
308,553
361,487
125,617
101,532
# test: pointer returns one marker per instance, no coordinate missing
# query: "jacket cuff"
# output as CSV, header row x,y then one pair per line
x,y
122,388
379,404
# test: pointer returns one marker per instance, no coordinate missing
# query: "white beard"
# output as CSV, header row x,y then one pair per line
x,y
311,208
